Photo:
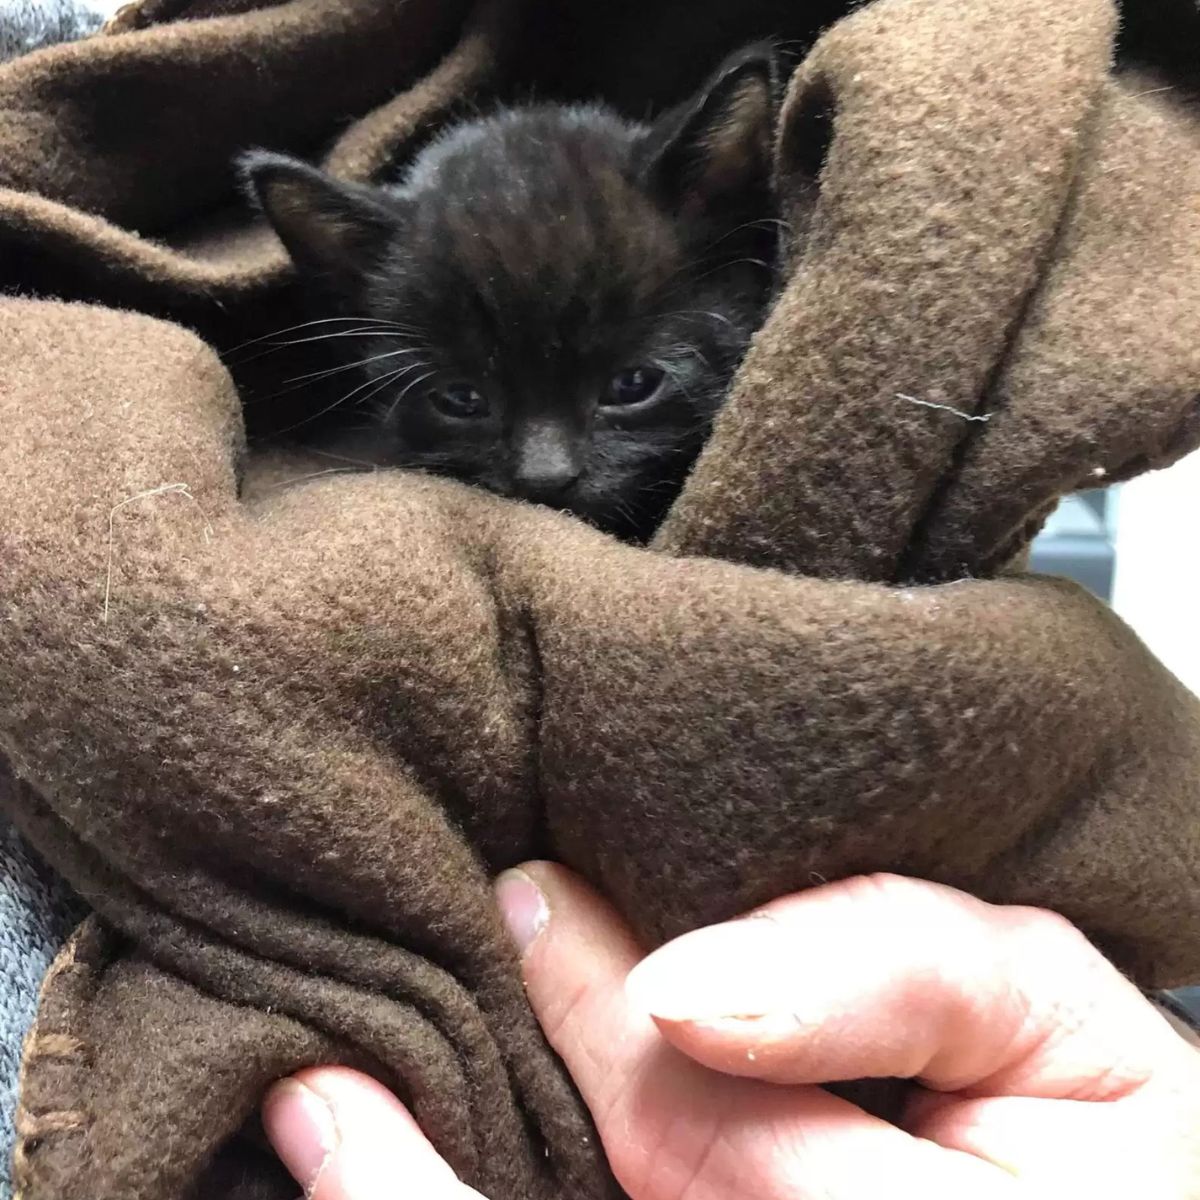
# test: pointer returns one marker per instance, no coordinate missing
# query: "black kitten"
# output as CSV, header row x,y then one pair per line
x,y
552,301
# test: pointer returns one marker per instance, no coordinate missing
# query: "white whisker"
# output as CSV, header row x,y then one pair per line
x,y
408,387
362,362
369,321
339,402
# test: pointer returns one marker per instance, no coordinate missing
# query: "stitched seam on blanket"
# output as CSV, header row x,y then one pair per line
x,y
32,1127
147,934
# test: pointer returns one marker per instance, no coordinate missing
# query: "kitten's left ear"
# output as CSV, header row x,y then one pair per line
x,y
716,148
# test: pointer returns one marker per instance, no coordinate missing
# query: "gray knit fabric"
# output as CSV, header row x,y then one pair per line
x,y
36,909
37,912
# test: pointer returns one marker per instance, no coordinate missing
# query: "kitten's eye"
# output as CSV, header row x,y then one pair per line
x,y
633,386
459,400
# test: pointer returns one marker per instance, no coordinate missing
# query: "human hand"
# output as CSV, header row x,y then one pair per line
x,y
1043,1073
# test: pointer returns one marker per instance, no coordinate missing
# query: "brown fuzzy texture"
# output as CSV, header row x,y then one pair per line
x,y
280,730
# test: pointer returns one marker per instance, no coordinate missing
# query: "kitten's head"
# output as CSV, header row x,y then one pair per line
x,y
553,300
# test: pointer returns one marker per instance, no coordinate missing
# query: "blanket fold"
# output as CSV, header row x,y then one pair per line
x,y
280,725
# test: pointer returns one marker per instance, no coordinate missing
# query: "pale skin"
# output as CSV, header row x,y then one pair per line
x,y
1043,1073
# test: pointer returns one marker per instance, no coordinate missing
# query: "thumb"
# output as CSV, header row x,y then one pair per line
x,y
345,1137
883,976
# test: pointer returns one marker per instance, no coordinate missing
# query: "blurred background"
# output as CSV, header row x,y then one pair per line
x,y
1134,545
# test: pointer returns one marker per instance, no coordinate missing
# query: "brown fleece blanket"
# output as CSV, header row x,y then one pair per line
x,y
279,730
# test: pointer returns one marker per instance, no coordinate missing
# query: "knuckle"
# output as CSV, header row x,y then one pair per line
x,y
1045,932
891,892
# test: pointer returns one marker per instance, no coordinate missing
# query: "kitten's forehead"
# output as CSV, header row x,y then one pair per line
x,y
541,204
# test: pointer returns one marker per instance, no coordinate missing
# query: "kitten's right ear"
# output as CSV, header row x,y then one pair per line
x,y
716,148
330,228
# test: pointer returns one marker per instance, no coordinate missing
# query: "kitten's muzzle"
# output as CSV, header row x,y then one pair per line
x,y
548,487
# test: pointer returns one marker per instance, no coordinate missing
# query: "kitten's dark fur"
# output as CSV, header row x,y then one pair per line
x,y
553,300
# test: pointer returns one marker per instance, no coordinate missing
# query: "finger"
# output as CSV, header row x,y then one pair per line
x,y
574,968
669,1126
884,976
345,1137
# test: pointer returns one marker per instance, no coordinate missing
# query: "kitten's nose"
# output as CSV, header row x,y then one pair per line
x,y
547,464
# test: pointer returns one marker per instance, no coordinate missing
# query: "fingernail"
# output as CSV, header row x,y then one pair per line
x,y
301,1127
522,906
731,972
